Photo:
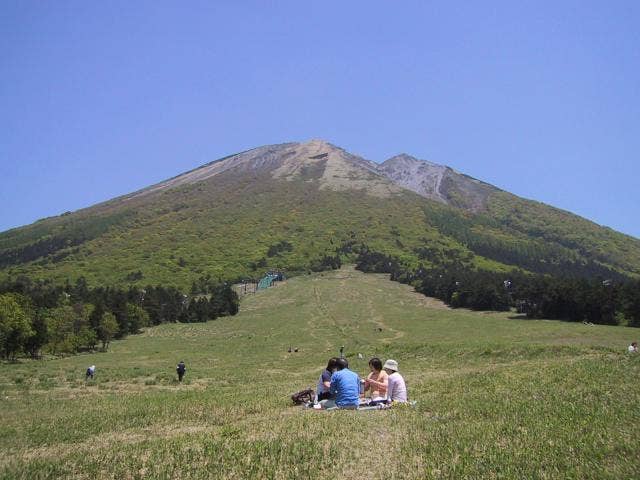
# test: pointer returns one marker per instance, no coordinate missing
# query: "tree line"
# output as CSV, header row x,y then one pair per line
x,y
537,252
58,244
37,317
575,298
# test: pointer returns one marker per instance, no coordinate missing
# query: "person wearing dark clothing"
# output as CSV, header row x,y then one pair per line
x,y
324,382
181,369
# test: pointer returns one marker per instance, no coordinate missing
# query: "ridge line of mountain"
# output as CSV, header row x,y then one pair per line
x,y
297,205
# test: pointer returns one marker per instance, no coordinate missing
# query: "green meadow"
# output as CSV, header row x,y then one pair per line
x,y
498,396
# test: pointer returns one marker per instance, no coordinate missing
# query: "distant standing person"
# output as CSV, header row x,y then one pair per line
x,y
181,369
633,348
90,371
396,388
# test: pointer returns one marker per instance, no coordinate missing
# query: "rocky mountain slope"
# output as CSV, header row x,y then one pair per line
x,y
437,182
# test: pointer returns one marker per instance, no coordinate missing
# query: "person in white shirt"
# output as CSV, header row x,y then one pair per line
x,y
633,348
396,388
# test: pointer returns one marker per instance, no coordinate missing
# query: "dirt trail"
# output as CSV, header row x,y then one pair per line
x,y
345,275
377,320
312,322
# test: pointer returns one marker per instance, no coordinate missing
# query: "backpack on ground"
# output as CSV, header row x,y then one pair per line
x,y
303,396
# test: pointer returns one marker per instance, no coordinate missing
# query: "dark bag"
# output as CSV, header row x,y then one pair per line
x,y
303,396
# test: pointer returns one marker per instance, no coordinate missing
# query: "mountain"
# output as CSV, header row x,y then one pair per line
x,y
293,206
438,182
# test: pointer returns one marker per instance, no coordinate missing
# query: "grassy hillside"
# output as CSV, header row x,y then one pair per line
x,y
498,397
226,227
266,213
557,227
538,238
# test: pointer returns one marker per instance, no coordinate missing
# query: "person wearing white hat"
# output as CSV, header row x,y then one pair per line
x,y
396,388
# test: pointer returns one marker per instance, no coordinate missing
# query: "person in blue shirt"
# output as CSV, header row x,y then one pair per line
x,y
345,386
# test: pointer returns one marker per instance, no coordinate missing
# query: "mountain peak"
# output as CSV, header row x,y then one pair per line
x,y
334,168
409,160
437,182
424,178
402,157
314,160
318,142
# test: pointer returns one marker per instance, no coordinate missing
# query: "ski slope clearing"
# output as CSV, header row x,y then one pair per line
x,y
498,396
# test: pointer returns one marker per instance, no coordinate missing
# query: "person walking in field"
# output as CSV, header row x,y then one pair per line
x,y
376,382
181,369
90,371
396,388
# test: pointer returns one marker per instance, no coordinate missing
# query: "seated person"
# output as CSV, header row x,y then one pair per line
x,y
345,385
633,348
376,382
324,382
396,388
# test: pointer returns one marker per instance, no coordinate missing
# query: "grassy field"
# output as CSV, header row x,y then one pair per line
x,y
498,396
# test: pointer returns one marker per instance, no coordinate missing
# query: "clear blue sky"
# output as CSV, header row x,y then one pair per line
x,y
540,98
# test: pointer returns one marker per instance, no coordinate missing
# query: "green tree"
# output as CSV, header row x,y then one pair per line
x,y
69,328
107,329
87,338
15,327
631,301
137,318
60,321
40,335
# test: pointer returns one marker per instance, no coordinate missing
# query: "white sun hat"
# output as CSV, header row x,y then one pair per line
x,y
391,365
